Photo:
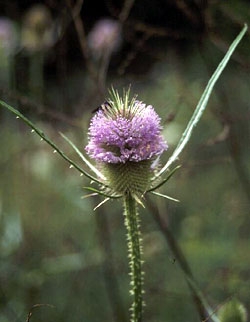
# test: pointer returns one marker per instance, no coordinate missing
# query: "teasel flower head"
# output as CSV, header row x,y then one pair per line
x,y
104,38
126,142
8,37
37,32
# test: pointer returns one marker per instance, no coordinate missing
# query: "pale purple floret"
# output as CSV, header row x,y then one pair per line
x,y
134,137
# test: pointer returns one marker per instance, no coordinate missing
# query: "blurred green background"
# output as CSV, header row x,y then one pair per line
x,y
56,68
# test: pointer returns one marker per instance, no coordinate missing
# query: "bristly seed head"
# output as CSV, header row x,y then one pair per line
x,y
125,132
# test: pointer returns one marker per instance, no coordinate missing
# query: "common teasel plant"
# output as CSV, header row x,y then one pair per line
x,y
126,143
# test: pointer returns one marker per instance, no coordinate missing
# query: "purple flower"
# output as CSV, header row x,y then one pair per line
x,y
123,131
8,36
104,37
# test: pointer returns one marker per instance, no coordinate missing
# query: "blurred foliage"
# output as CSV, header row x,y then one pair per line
x,y
53,248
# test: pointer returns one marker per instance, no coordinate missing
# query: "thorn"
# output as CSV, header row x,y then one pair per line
x,y
71,166
81,174
89,195
54,151
101,203
41,139
32,131
17,117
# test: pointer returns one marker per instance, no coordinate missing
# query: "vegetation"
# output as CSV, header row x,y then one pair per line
x,y
61,261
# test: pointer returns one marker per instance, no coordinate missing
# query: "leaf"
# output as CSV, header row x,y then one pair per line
x,y
164,196
99,192
85,160
101,203
47,140
202,102
164,180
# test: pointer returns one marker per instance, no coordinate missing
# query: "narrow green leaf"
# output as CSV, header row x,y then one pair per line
x,y
164,196
203,102
99,192
164,180
101,203
85,160
89,195
47,140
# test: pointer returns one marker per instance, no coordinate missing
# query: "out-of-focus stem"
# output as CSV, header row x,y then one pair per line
x,y
203,309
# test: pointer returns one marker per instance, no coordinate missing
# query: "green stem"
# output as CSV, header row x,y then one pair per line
x,y
134,240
